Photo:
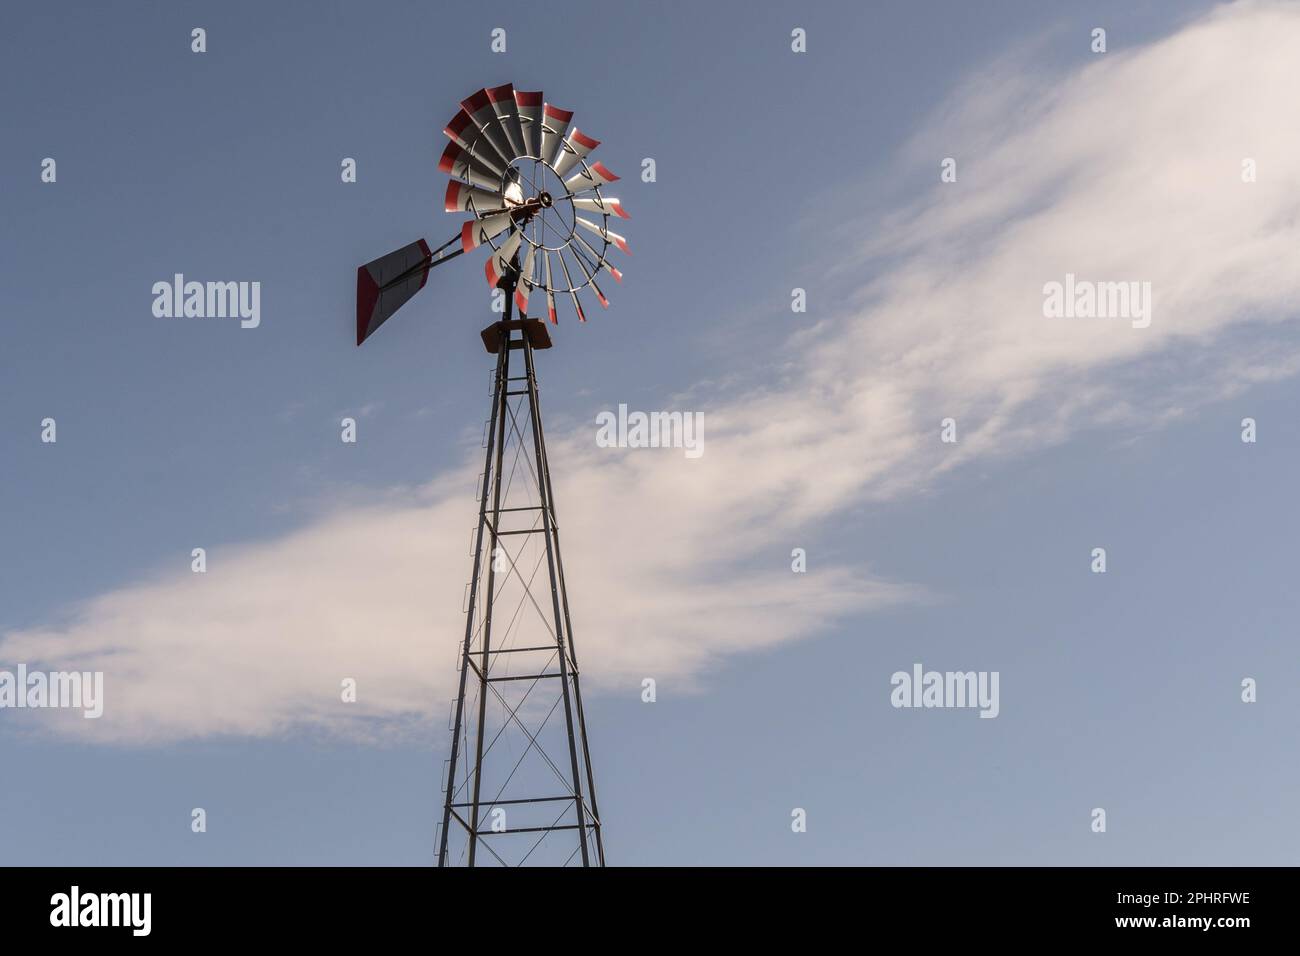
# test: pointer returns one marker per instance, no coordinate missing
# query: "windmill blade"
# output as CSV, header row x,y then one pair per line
x,y
501,261
555,123
466,134
606,204
463,198
385,284
577,145
526,285
573,293
503,103
598,258
591,279
589,177
529,106
514,190
479,108
550,289
478,231
457,161
607,234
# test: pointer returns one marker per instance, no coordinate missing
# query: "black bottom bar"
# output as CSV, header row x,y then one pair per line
x,y
922,908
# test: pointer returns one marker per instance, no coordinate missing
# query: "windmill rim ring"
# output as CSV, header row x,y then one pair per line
x,y
553,197
589,270
573,228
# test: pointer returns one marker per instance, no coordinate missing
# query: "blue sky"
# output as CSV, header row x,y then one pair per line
x,y
775,170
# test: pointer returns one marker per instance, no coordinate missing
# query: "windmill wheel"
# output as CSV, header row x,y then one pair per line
x,y
520,167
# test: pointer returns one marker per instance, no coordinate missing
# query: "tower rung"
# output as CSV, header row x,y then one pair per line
x,y
493,680
503,803
528,531
566,826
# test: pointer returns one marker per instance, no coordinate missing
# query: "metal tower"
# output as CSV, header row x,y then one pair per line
x,y
519,783
518,787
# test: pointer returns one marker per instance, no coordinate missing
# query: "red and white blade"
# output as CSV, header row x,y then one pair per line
x,y
550,290
458,161
608,205
591,279
479,108
464,198
465,133
555,123
526,285
478,231
507,113
498,263
573,293
608,235
589,177
577,145
529,106
604,263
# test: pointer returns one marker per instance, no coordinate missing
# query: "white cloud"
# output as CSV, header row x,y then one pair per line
x,y
1128,169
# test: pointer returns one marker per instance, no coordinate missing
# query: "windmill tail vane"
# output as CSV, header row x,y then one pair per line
x,y
521,169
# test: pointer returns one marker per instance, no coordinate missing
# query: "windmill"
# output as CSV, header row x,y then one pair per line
x,y
518,784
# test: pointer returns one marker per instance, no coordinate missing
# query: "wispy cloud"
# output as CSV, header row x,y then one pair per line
x,y
1128,169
